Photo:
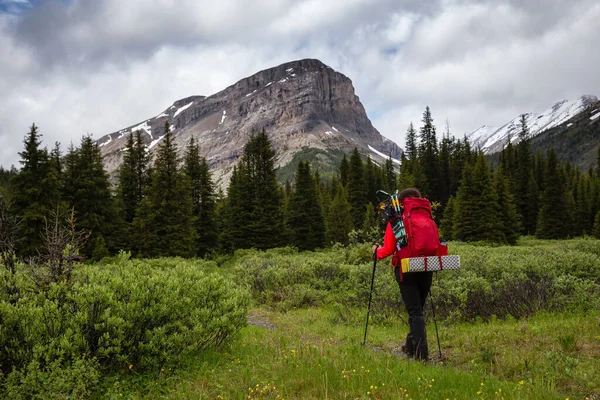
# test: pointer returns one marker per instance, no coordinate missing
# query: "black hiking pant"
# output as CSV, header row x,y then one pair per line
x,y
414,288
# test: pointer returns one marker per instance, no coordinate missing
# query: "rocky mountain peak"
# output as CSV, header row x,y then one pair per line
x,y
306,108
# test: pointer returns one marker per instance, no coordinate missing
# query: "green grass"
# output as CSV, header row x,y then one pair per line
x,y
310,356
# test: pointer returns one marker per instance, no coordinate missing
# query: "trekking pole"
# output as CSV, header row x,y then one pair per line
x,y
370,295
435,323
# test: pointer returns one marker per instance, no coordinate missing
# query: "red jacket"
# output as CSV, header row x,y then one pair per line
x,y
389,243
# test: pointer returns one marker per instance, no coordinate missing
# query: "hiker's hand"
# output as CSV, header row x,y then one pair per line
x,y
375,246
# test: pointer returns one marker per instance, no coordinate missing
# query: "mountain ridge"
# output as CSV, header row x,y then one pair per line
x,y
493,139
302,104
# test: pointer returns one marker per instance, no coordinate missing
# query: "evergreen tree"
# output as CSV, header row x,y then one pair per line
x,y
596,230
357,189
445,172
256,187
167,215
35,192
203,199
237,209
88,193
344,170
389,175
446,225
305,216
523,178
339,218
429,158
411,145
133,175
405,178
553,216
374,180
476,210
509,215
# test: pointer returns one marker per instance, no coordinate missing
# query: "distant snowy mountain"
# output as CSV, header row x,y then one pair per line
x,y
493,139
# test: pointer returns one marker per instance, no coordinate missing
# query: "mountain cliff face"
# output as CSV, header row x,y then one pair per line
x,y
493,139
306,108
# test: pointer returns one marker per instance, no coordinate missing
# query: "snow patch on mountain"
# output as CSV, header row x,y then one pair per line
x,y
107,142
593,117
491,139
154,142
182,109
380,154
223,117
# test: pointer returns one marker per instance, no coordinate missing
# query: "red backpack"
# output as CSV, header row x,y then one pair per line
x,y
421,230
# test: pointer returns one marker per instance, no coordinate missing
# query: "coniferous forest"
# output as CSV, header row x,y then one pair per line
x,y
170,207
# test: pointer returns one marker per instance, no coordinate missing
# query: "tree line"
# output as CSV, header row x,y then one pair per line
x,y
171,207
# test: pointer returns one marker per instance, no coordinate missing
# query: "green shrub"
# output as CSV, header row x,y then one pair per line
x,y
501,281
125,315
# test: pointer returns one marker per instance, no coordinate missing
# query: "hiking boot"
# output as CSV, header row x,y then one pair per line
x,y
408,348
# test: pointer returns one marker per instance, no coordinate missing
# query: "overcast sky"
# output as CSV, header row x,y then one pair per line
x,y
95,66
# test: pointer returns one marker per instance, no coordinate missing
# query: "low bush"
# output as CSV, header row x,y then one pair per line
x,y
497,281
127,315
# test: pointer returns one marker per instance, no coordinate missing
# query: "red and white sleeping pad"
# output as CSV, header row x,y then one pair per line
x,y
432,263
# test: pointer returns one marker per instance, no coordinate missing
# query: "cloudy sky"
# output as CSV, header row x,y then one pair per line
x,y
94,66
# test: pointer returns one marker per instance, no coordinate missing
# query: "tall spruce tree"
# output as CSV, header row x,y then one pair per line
x,y
389,175
357,189
373,176
447,223
305,215
411,146
477,214
554,211
429,158
511,220
344,169
166,210
262,197
88,193
35,192
133,175
524,179
203,199
339,219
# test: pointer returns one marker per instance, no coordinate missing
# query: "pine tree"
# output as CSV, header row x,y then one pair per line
x,y
344,169
374,180
476,210
523,178
256,189
446,225
305,215
429,158
339,218
596,230
509,215
88,193
553,216
167,213
203,199
35,192
389,175
357,189
445,173
405,178
411,145
133,176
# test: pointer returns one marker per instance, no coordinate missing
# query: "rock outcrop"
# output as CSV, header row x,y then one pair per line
x,y
301,105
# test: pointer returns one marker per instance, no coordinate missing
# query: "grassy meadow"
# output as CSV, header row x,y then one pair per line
x,y
516,322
